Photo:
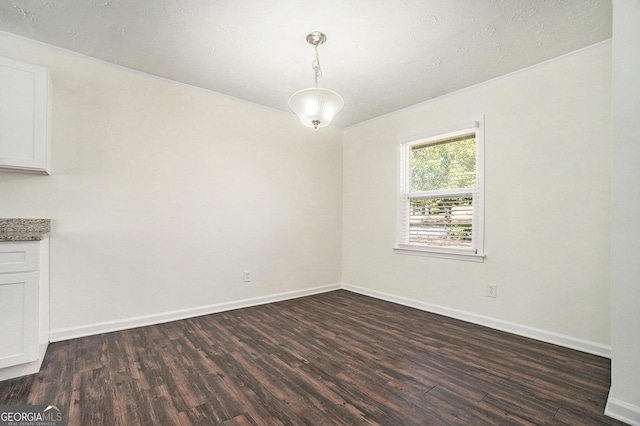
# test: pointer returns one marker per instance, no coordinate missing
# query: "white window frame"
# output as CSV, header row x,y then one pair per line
x,y
474,253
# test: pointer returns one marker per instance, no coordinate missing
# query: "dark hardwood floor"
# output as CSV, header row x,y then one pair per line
x,y
333,358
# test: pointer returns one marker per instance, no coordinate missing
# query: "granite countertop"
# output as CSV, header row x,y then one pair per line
x,y
24,229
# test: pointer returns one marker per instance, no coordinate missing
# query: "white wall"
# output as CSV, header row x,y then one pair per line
x,y
624,398
547,144
161,194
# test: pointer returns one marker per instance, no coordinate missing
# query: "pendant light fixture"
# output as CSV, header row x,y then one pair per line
x,y
316,107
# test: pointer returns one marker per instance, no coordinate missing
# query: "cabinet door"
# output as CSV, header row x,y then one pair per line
x,y
23,116
18,318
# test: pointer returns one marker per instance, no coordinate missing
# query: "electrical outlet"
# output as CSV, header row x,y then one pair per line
x,y
492,290
246,276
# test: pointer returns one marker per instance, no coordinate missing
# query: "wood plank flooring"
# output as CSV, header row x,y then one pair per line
x,y
333,358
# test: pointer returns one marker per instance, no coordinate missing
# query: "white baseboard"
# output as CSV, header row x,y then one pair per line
x,y
141,321
622,411
510,327
522,330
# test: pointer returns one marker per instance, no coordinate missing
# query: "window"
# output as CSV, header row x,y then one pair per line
x,y
441,199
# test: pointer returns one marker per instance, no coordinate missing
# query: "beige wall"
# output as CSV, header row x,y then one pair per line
x,y
162,194
547,180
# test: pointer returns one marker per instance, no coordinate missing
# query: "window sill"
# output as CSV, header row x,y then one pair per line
x,y
415,251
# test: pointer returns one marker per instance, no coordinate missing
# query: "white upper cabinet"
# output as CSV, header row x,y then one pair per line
x,y
24,117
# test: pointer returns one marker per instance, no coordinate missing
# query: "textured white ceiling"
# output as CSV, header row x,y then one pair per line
x,y
381,55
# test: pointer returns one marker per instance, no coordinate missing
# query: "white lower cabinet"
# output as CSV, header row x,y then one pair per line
x,y
24,307
19,318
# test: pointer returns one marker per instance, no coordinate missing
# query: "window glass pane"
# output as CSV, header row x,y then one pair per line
x,y
443,222
447,165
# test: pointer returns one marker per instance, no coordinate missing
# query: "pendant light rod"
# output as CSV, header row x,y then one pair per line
x,y
317,71
316,38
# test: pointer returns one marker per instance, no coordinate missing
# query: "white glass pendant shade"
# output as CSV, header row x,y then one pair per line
x,y
316,107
